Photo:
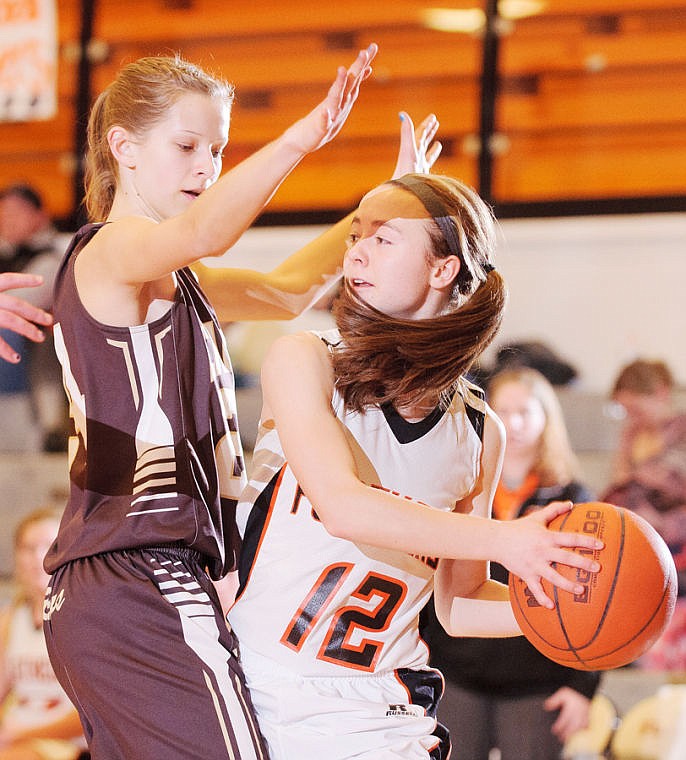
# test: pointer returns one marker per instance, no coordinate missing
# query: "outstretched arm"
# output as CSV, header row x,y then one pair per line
x,y
18,315
286,291
297,388
137,250
298,282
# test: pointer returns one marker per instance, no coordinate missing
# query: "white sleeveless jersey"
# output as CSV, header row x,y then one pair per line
x,y
322,605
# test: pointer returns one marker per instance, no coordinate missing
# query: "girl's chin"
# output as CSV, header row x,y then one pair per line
x,y
363,294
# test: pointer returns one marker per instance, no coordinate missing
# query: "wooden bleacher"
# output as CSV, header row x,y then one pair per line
x,y
591,102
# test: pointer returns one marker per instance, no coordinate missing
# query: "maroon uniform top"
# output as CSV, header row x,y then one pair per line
x,y
155,456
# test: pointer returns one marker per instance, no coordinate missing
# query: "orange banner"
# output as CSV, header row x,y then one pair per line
x,y
28,60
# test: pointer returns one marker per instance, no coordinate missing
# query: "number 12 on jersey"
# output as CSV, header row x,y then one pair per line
x,y
387,593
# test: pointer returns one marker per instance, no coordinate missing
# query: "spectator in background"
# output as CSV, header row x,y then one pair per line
x,y
502,692
530,353
31,393
38,720
649,477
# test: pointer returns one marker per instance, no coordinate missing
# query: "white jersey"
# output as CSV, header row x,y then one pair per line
x,y
325,606
36,695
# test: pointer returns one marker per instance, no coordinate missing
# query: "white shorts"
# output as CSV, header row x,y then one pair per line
x,y
366,717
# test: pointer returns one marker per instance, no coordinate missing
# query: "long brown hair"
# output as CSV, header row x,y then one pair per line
x,y
406,361
137,99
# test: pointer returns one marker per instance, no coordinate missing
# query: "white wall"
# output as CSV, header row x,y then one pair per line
x,y
600,290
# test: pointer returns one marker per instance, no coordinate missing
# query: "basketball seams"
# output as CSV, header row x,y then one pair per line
x,y
615,580
597,660
637,554
571,648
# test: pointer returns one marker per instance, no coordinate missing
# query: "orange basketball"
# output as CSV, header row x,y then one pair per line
x,y
624,607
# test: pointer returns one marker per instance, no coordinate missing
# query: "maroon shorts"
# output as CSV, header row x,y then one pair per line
x,y
138,641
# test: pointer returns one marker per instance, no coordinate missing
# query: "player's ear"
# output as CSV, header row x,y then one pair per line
x,y
122,146
444,271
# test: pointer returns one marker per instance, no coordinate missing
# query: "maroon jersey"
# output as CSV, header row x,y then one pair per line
x,y
155,455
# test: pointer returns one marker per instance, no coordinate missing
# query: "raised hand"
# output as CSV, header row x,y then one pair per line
x,y
324,122
418,151
18,315
534,550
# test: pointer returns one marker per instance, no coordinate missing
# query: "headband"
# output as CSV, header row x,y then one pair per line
x,y
436,208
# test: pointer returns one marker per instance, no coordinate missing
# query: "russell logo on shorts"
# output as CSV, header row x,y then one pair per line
x,y
404,711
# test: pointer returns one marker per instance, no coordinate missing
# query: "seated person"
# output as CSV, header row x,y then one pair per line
x,y
37,720
649,477
502,692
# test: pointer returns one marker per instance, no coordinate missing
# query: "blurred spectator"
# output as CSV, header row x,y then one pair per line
x,y
649,477
503,693
532,354
38,721
32,401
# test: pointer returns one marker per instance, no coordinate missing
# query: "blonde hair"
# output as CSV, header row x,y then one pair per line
x,y
39,515
137,99
36,517
383,358
556,464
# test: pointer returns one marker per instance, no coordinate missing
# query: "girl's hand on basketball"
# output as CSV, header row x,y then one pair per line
x,y
324,122
418,151
536,550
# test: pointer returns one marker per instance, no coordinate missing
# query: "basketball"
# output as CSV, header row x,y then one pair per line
x,y
623,608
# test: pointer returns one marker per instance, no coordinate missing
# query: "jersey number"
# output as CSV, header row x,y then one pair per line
x,y
337,647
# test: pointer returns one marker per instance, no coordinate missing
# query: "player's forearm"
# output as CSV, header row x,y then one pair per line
x,y
224,211
370,515
284,292
486,611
